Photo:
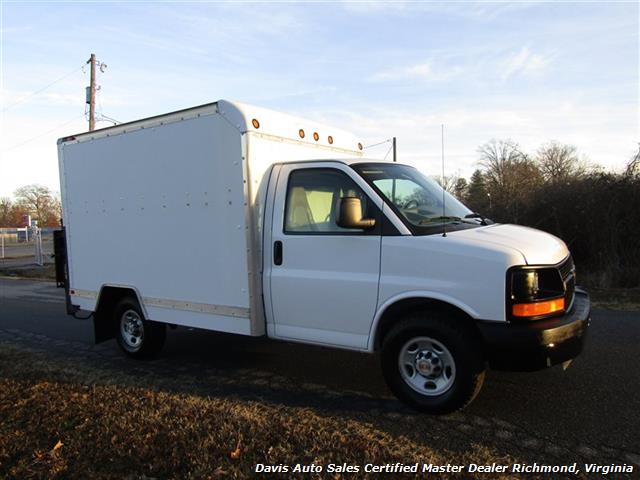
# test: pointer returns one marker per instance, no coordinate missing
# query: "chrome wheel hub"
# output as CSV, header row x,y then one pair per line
x,y
131,329
427,366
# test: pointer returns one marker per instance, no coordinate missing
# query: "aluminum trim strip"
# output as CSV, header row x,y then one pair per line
x,y
223,310
84,293
145,123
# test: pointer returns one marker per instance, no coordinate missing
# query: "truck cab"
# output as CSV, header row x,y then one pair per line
x,y
416,275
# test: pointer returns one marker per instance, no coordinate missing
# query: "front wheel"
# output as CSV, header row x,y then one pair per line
x,y
432,362
137,337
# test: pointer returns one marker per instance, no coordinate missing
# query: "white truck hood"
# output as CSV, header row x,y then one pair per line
x,y
537,247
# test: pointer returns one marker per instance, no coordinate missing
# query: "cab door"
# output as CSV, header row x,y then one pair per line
x,y
322,279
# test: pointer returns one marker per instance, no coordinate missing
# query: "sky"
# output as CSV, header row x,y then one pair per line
x,y
528,71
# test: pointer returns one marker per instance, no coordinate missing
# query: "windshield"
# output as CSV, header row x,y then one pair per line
x,y
417,198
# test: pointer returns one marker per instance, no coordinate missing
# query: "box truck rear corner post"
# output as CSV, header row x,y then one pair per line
x,y
233,218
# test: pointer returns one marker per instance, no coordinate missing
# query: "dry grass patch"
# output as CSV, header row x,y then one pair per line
x,y
58,422
35,272
627,299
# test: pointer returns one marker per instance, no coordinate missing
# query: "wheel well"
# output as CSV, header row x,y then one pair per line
x,y
110,296
402,307
107,300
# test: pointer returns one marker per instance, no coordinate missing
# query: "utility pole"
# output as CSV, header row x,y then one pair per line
x,y
394,149
91,94
92,89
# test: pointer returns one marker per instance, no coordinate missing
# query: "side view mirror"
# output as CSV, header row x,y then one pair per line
x,y
351,214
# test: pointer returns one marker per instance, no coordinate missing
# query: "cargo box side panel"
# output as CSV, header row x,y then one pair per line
x,y
162,209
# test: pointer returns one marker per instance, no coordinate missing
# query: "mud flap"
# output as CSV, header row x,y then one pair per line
x,y
62,267
60,257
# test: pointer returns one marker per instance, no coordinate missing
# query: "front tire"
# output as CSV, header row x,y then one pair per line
x,y
138,338
433,362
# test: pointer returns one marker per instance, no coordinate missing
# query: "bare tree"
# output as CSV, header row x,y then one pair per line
x,y
498,157
449,182
633,167
559,163
509,177
454,184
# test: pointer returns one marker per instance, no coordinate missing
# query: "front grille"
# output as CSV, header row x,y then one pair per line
x,y
566,267
568,273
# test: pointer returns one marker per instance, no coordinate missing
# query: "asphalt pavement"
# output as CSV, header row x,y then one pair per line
x,y
591,410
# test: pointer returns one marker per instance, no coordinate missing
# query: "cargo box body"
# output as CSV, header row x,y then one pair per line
x,y
172,207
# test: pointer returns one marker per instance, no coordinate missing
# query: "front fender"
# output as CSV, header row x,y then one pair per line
x,y
416,294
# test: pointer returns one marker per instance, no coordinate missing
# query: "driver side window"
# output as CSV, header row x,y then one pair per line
x,y
313,201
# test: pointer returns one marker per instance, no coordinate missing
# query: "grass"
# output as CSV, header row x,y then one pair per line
x,y
46,272
615,298
64,419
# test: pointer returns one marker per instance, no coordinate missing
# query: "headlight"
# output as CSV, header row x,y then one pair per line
x,y
525,284
534,293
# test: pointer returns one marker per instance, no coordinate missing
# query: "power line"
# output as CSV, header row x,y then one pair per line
x,y
101,117
379,143
43,134
105,118
388,151
23,99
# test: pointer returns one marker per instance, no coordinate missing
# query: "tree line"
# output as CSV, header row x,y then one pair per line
x,y
596,213
35,200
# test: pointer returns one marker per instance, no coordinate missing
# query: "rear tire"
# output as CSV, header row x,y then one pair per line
x,y
138,338
433,362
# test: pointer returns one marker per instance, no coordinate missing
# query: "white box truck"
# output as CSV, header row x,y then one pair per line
x,y
233,218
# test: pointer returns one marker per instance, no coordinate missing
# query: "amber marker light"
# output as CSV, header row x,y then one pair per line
x,y
255,123
301,133
538,308
316,137
330,140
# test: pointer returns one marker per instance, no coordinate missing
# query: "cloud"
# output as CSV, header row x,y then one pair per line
x,y
486,11
419,71
525,62
375,7
483,11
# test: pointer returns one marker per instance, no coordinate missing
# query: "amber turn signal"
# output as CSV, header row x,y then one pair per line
x,y
538,308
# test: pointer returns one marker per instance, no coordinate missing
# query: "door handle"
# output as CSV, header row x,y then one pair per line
x,y
277,252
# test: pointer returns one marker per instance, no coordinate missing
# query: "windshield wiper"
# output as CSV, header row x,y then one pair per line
x,y
440,219
483,220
